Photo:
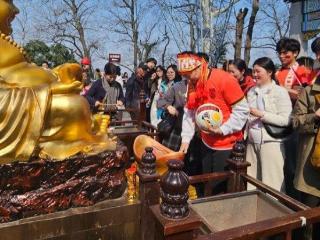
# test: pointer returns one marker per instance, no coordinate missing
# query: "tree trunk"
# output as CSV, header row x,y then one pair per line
x,y
148,47
192,37
239,32
166,38
79,27
135,33
86,51
247,50
192,24
206,16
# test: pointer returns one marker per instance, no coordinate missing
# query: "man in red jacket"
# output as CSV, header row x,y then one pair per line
x,y
217,87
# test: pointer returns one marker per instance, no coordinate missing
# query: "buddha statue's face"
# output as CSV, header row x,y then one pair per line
x,y
8,11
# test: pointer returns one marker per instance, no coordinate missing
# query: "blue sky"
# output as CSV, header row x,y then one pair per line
x,y
29,14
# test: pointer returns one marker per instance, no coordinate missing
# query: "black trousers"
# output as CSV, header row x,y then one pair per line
x,y
192,160
291,146
214,161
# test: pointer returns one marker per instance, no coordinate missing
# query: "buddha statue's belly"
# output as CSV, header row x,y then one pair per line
x,y
67,128
69,118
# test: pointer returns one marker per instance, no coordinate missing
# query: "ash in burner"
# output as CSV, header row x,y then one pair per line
x,y
46,186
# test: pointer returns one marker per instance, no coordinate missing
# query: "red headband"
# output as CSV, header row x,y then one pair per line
x,y
187,62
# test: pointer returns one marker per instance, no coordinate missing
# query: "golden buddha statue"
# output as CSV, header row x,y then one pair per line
x,y
41,111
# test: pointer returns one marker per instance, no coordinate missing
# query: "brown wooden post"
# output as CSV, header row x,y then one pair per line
x,y
288,235
174,219
149,192
238,165
143,110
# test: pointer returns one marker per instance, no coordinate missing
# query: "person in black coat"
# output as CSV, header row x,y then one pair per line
x,y
134,86
106,92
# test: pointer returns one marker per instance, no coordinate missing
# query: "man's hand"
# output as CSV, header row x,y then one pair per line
x,y
256,113
119,103
172,110
61,88
97,104
184,148
215,131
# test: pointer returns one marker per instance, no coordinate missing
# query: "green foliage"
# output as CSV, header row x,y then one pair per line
x,y
37,51
60,55
56,54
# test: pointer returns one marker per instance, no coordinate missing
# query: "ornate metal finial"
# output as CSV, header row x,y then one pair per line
x,y
239,151
174,186
148,162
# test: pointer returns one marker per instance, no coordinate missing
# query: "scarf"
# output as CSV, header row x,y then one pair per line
x,y
246,84
196,93
256,125
112,92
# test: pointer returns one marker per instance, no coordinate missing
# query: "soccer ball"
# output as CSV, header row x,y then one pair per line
x,y
208,115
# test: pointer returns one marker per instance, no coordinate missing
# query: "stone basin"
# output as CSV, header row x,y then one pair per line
x,y
238,209
104,221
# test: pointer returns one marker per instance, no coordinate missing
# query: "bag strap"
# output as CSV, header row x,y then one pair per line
x,y
317,98
315,158
174,94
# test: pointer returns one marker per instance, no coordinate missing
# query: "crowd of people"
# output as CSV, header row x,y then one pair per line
x,y
275,111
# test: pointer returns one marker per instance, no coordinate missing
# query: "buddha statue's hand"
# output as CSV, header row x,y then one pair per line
x,y
63,88
68,73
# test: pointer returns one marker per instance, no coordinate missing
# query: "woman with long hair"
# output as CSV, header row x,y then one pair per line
x,y
156,92
173,101
172,76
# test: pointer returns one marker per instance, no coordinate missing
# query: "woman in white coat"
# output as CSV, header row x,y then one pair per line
x,y
269,104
